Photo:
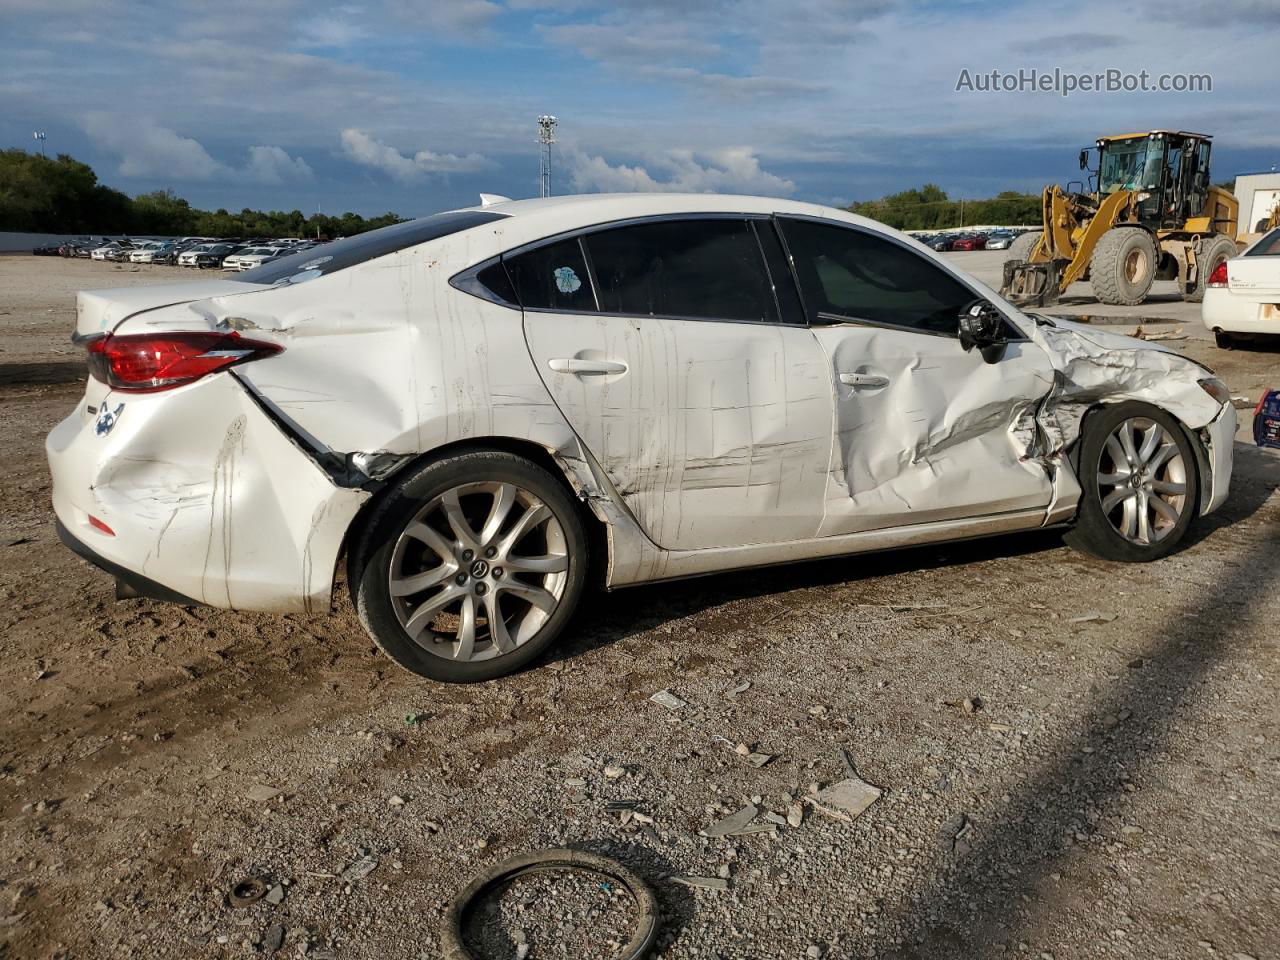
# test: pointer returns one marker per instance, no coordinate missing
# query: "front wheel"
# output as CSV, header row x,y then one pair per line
x,y
1140,490
470,567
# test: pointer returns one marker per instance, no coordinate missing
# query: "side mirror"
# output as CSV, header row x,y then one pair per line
x,y
981,325
1084,159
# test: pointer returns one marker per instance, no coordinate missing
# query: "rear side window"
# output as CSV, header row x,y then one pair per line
x,y
1268,246
706,269
848,274
350,251
553,277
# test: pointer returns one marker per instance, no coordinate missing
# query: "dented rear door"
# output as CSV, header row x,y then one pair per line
x,y
710,416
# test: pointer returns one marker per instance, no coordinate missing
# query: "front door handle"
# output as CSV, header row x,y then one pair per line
x,y
574,365
864,380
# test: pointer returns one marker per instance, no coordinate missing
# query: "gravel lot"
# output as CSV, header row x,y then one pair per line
x,y
1077,759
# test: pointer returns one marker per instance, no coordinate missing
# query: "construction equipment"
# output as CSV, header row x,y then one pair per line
x,y
1151,214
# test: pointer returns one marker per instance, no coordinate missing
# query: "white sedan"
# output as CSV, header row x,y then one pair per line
x,y
1242,296
474,409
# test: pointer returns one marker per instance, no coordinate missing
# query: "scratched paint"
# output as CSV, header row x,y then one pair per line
x,y
721,446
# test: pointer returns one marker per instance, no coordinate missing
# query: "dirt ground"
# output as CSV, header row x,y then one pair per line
x,y
1109,790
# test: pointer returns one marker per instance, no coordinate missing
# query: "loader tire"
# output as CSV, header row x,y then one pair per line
x,y
1022,245
1123,266
1212,252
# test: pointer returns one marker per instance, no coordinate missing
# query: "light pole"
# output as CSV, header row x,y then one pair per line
x,y
39,137
546,137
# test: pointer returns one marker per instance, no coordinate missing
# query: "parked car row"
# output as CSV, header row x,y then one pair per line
x,y
998,239
201,252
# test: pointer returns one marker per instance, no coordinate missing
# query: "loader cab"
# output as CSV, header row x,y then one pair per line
x,y
1168,173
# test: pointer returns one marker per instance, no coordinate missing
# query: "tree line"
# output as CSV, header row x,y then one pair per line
x,y
929,208
62,195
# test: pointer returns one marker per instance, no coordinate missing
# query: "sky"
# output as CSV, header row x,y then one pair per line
x,y
417,106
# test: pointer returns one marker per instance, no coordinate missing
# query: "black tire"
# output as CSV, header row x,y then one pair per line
x,y
1123,266
1022,245
1093,532
369,561
1213,251
1224,340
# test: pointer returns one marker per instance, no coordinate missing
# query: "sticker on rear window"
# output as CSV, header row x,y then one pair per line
x,y
566,280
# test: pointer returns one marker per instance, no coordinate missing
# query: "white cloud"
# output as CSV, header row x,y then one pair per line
x,y
731,170
369,152
274,165
147,149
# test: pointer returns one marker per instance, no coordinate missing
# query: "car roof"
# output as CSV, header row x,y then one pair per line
x,y
529,220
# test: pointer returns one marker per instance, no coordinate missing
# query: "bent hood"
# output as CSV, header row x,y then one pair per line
x,y
1096,365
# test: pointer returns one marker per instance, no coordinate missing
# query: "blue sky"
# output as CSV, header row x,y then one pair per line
x,y
418,106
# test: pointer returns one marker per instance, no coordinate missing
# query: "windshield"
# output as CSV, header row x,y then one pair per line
x,y
1131,165
350,251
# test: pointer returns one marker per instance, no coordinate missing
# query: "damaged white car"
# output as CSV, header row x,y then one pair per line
x,y
474,409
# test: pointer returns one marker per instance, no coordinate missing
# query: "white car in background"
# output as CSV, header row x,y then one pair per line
x,y
189,256
1242,295
253,257
114,250
473,409
145,251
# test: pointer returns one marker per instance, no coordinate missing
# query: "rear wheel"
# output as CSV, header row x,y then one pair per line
x,y
1224,340
1213,251
1141,493
1123,266
470,567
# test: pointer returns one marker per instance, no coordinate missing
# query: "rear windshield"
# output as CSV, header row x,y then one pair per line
x,y
331,257
1268,246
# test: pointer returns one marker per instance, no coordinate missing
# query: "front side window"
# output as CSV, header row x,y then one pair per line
x,y
700,268
848,274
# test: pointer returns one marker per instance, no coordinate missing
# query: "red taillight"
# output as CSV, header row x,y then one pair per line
x,y
1219,276
145,362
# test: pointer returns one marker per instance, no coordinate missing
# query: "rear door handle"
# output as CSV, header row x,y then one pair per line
x,y
864,380
574,365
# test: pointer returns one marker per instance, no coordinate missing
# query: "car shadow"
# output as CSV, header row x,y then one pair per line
x,y
606,618
963,909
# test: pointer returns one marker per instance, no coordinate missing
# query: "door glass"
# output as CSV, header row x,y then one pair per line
x,y
553,277
850,274
704,269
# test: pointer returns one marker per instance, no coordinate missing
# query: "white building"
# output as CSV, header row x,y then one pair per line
x,y
1258,193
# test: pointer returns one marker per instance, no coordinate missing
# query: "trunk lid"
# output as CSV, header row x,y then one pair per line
x,y
1254,277
101,311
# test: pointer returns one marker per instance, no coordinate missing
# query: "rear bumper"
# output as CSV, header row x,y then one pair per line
x,y
1233,313
208,500
138,584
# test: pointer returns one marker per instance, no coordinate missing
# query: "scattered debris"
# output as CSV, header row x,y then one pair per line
x,y
795,815
733,824
741,688
453,947
758,760
614,772
703,883
953,833
358,870
247,891
273,939
395,800
665,698
1093,617
845,799
275,895
261,793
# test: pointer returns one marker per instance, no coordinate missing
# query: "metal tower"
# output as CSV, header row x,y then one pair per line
x,y
546,137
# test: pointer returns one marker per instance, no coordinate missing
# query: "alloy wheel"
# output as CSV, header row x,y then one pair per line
x,y
478,571
1142,480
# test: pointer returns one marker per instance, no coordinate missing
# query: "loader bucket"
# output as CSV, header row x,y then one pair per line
x,y
1028,284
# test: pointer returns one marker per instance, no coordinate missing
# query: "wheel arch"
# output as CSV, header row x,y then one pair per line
x,y
1204,469
599,543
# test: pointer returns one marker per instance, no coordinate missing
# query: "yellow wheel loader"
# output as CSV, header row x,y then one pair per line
x,y
1151,214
